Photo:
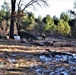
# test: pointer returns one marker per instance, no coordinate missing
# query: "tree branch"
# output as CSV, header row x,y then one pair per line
x,y
30,3
19,4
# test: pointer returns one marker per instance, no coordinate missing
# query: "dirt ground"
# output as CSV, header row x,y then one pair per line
x,y
26,59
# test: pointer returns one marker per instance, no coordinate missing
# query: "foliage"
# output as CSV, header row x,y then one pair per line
x,y
5,10
56,20
60,26
72,22
74,31
6,6
63,27
27,21
48,23
24,21
73,27
2,15
31,20
39,25
64,16
67,29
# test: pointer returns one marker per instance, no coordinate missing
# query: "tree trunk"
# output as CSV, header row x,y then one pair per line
x,y
13,2
18,28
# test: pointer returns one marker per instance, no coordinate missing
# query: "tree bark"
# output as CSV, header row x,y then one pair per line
x,y
13,2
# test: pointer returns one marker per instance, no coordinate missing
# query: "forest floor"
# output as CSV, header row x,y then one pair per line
x,y
26,59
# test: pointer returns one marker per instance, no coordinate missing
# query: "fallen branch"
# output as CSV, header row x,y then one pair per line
x,y
54,52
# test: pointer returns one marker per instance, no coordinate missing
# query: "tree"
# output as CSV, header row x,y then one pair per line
x,y
31,21
49,26
72,23
25,22
20,12
60,27
5,11
74,31
73,12
13,13
64,16
2,14
39,25
56,20
63,27
28,22
67,29
6,6
48,22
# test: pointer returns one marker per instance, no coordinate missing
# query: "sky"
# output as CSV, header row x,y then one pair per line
x,y
56,7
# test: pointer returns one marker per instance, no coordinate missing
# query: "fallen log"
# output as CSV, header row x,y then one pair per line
x,y
37,43
54,52
66,45
27,35
44,43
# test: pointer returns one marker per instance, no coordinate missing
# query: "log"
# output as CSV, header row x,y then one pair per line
x,y
37,43
66,45
44,43
25,34
54,52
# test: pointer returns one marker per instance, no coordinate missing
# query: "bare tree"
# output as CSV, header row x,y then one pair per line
x,y
20,12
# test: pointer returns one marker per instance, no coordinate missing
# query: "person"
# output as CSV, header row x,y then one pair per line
x,y
43,36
